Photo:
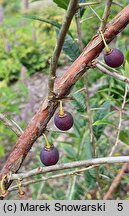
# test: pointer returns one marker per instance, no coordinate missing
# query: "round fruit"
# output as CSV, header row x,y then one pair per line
x,y
114,58
49,156
63,122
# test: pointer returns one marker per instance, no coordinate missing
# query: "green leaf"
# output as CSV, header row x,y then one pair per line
x,y
98,129
79,191
62,4
126,71
89,149
111,90
70,152
77,127
70,47
90,175
52,22
2,151
103,121
124,136
79,102
82,9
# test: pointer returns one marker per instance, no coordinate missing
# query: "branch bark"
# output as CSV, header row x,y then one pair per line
x,y
62,88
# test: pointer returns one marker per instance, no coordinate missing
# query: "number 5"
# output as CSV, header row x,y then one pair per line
x,y
120,207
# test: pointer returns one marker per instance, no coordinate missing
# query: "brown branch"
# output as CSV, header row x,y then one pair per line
x,y
115,182
63,31
62,88
11,124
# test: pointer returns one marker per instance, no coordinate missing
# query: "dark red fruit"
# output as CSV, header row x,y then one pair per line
x,y
63,122
114,58
49,156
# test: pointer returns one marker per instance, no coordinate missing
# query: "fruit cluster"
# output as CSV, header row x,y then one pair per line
x,y
49,154
63,120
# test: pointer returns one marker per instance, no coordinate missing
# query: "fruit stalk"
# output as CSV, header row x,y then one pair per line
x,y
47,144
106,46
61,111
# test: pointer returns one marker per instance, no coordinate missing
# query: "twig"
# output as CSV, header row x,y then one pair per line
x,y
79,33
107,67
89,114
89,4
105,14
62,88
11,124
87,18
95,13
63,31
73,183
62,175
111,73
117,3
115,182
120,121
92,140
75,164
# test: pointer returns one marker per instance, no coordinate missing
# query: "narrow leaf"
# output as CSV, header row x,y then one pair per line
x,y
70,47
52,22
82,9
62,4
126,71
79,102
98,129
90,175
127,55
103,121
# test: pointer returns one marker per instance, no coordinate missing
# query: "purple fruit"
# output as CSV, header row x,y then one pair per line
x,y
63,122
49,156
114,58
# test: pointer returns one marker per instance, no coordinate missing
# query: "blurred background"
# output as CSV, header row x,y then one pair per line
x,y
26,46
